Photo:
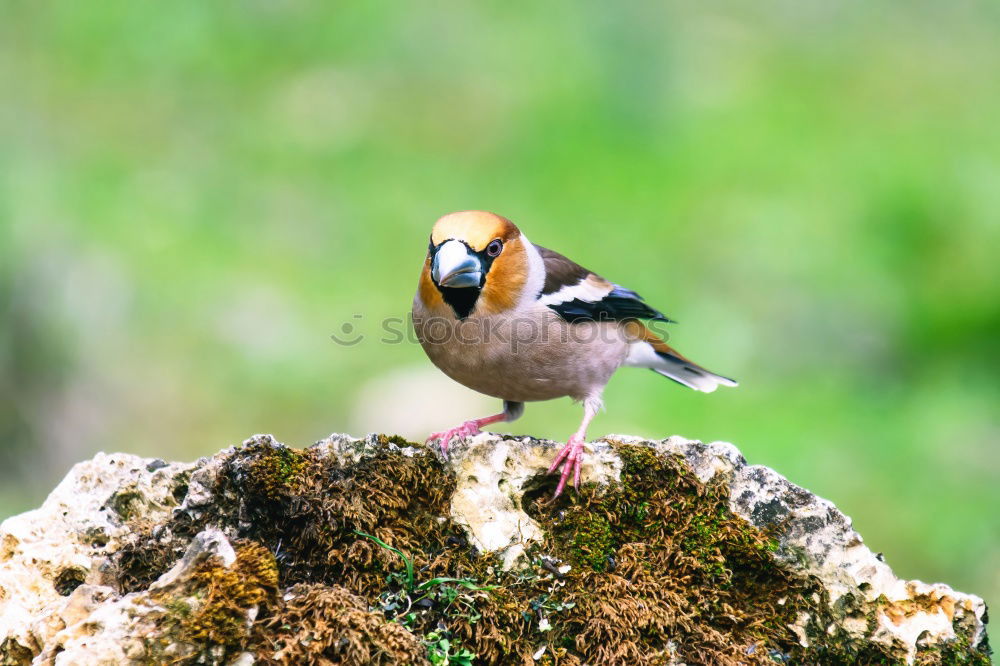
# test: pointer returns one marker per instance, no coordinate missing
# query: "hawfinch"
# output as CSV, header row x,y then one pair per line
x,y
522,323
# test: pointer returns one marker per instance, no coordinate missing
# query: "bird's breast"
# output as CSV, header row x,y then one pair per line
x,y
522,356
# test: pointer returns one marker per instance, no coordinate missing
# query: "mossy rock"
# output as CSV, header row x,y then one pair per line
x,y
350,552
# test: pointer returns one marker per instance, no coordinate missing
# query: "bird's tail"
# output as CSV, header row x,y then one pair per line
x,y
674,366
647,350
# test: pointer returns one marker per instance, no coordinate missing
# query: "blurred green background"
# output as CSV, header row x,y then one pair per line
x,y
194,196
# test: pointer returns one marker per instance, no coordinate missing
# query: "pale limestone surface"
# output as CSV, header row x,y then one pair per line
x,y
45,620
68,536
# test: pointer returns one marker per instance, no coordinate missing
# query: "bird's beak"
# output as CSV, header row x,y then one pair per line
x,y
455,266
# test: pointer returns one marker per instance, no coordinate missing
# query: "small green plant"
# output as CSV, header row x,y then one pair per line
x,y
410,578
406,561
439,651
448,596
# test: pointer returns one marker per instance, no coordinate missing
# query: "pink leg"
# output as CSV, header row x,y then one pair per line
x,y
571,455
511,411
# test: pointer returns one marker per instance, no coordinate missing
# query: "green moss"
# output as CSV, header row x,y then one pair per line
x,y
696,516
660,556
396,440
274,471
590,539
127,502
958,652
178,608
838,646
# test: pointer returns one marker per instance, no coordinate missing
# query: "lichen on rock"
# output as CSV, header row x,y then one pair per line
x,y
375,550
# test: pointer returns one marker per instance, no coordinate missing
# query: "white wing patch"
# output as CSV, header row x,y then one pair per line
x,y
590,290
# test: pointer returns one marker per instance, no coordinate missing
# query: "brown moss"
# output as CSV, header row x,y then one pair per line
x,y
228,593
661,569
404,501
148,552
217,601
307,512
319,624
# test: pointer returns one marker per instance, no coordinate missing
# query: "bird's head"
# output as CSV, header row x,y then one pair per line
x,y
476,261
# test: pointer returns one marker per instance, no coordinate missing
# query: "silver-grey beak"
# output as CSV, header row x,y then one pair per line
x,y
455,266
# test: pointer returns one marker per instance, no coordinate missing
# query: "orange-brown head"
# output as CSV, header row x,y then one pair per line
x,y
478,263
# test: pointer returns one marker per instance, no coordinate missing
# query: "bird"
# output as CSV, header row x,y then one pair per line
x,y
522,323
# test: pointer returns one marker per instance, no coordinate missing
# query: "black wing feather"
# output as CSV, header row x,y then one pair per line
x,y
619,303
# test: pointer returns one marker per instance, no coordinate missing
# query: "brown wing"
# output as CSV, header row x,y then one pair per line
x,y
578,294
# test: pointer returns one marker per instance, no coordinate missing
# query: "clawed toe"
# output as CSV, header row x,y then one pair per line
x,y
465,430
443,438
571,460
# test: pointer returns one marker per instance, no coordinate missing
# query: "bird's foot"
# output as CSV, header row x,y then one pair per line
x,y
571,458
467,429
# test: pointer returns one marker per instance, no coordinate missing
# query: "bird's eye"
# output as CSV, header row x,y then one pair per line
x,y
494,248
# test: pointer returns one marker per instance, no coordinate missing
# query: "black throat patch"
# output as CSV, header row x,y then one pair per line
x,y
462,300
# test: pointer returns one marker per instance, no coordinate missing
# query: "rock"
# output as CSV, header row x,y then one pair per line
x,y
374,551
47,553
